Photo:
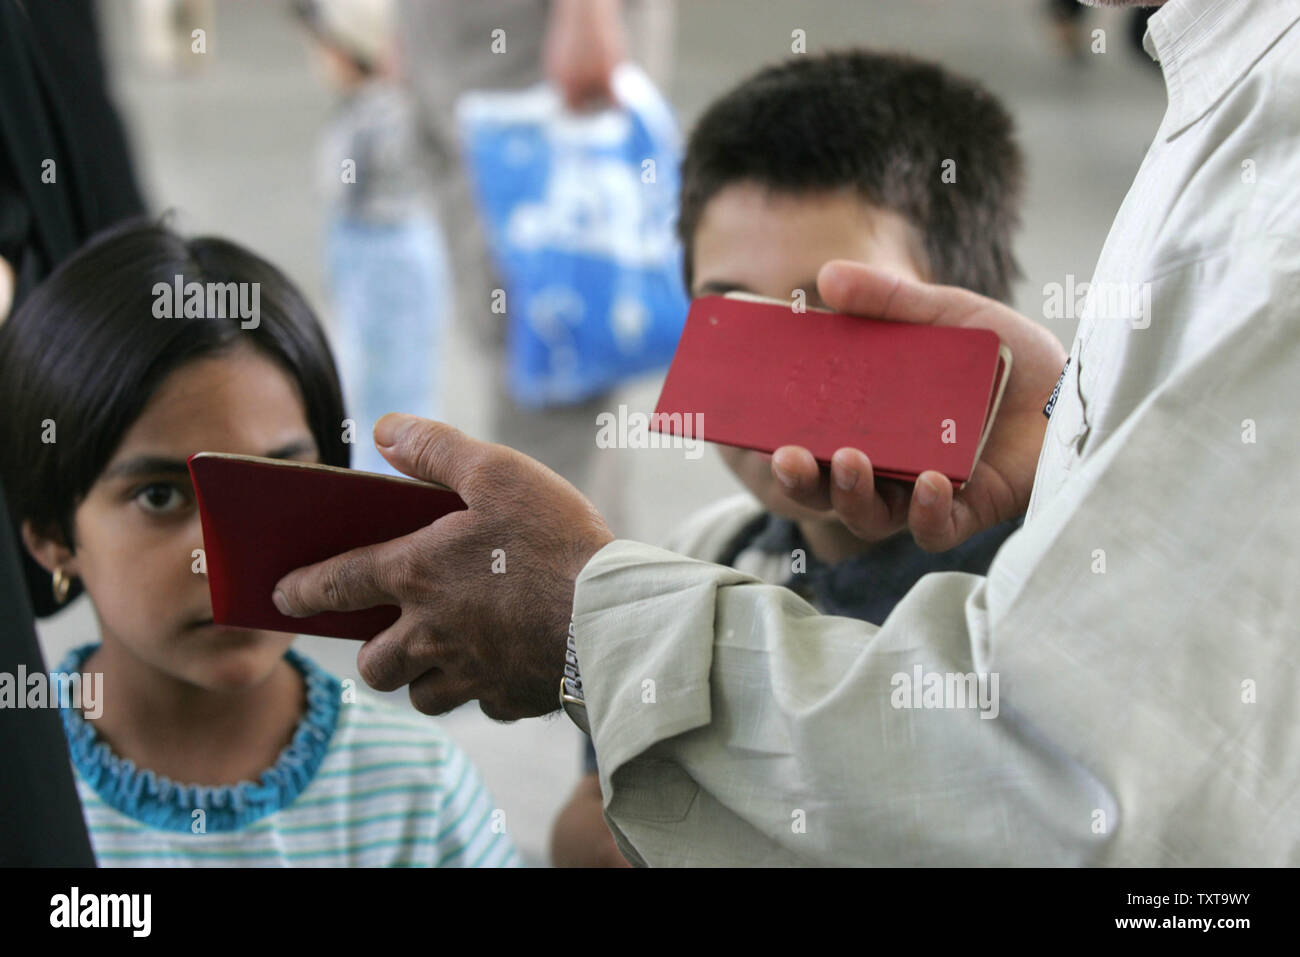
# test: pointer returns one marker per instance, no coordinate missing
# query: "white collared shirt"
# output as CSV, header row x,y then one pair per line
x,y
1123,687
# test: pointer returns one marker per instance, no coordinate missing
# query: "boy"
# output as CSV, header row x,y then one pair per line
x,y
877,158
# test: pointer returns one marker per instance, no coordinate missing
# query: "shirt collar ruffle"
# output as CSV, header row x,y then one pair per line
x,y
166,804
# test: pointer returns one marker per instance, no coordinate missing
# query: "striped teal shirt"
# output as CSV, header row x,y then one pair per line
x,y
363,784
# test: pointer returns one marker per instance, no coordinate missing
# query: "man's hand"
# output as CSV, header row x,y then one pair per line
x,y
465,631
939,517
584,42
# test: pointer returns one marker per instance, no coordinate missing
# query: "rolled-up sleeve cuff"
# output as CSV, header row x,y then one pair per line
x,y
644,625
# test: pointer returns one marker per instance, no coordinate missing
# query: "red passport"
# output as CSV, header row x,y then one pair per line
x,y
262,518
751,372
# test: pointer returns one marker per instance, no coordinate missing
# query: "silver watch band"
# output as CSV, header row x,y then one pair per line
x,y
572,700
572,676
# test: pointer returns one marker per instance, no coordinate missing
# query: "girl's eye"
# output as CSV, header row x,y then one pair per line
x,y
159,497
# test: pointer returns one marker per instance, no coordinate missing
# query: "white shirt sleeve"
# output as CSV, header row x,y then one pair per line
x,y
1139,634
1122,687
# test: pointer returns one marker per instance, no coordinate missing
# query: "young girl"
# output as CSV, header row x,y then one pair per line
x,y
216,745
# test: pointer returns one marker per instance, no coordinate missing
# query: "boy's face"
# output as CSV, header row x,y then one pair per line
x,y
138,526
753,240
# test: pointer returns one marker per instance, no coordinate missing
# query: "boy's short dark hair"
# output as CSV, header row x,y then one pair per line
x,y
86,351
882,124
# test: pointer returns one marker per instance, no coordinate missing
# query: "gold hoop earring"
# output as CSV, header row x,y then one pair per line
x,y
62,585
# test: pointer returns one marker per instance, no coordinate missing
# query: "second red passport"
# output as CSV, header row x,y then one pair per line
x,y
262,518
755,374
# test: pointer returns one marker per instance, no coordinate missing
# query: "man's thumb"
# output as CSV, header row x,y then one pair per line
x,y
428,450
877,293
390,429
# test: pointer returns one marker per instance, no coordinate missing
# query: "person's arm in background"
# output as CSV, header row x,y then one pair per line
x,y
580,836
6,288
585,40
15,241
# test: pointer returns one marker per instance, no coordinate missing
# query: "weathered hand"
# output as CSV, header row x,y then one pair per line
x,y
939,517
485,594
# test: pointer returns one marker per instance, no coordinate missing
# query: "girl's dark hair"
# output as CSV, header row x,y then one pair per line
x,y
85,352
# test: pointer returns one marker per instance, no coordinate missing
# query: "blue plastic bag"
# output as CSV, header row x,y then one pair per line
x,y
579,211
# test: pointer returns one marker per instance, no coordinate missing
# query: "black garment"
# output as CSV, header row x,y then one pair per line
x,y
54,106
40,815
55,118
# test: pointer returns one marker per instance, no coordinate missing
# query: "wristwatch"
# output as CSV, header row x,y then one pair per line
x,y
572,699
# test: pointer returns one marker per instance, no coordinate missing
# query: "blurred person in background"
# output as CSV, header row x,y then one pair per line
x,y
170,31
1067,19
447,48
387,262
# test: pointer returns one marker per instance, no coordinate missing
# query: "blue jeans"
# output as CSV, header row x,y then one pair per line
x,y
390,285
